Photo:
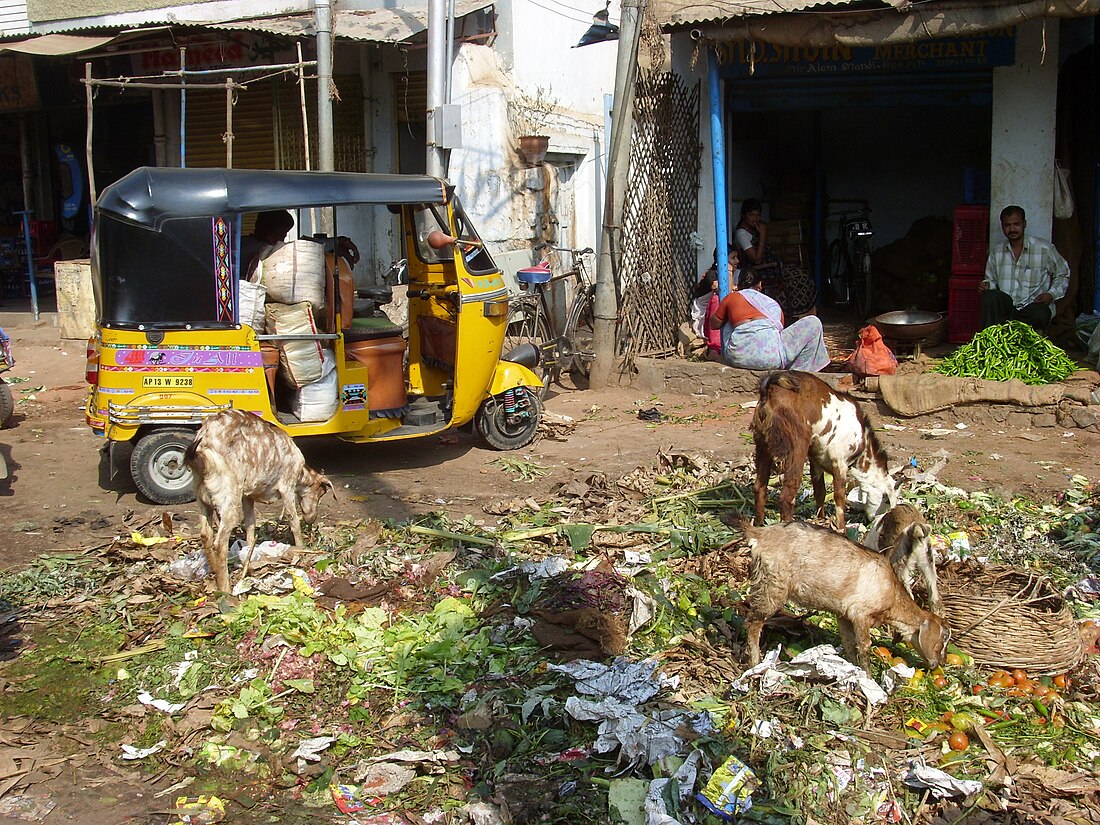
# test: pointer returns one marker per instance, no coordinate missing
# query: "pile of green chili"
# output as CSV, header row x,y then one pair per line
x,y
1007,351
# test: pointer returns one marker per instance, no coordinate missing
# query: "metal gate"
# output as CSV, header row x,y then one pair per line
x,y
660,209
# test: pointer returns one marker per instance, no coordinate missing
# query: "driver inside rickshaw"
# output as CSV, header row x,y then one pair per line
x,y
270,230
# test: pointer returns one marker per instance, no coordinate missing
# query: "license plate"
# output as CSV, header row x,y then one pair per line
x,y
167,382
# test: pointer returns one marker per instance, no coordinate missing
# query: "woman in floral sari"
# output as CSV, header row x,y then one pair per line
x,y
757,339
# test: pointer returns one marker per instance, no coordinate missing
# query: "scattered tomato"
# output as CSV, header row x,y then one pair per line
x,y
955,660
897,660
940,681
976,689
884,653
1019,676
937,671
946,716
1041,691
958,741
962,722
1001,679
1060,681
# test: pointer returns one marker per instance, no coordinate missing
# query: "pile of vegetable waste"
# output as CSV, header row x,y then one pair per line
x,y
421,693
1007,351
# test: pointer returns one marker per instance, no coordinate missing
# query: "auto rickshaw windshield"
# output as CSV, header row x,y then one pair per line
x,y
179,277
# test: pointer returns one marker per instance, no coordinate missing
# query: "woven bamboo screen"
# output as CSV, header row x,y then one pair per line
x,y
660,209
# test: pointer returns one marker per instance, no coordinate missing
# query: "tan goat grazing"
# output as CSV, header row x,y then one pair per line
x,y
799,417
237,459
821,570
902,536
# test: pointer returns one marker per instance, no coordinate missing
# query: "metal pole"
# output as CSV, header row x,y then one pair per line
x,y
305,114
183,108
325,153
25,160
605,306
437,82
88,95
26,213
228,124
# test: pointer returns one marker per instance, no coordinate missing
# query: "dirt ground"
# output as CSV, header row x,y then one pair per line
x,y
60,494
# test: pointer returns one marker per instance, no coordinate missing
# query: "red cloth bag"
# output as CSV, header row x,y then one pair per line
x,y
872,356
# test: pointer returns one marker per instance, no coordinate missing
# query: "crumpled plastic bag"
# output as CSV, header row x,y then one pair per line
x,y
872,356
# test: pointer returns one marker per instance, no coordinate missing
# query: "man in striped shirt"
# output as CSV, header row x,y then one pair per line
x,y
1024,276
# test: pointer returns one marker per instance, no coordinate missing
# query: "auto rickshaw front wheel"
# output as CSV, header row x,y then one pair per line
x,y
157,466
510,420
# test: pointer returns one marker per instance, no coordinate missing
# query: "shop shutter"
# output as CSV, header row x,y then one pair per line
x,y
349,146
253,128
411,94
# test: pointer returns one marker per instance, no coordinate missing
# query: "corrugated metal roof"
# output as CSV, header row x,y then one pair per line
x,y
679,12
377,25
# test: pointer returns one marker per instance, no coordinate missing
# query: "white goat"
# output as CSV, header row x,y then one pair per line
x,y
822,570
902,536
238,459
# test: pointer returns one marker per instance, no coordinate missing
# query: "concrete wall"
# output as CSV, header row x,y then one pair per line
x,y
1022,158
513,205
44,11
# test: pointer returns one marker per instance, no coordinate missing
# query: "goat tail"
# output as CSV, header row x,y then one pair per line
x,y
192,458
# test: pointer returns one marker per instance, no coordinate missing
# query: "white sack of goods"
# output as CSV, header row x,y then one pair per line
x,y
300,362
252,297
295,272
318,401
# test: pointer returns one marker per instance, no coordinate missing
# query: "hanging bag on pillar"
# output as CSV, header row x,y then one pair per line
x,y
1063,194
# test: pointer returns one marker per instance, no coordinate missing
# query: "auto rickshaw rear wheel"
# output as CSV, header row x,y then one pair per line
x,y
510,422
7,403
157,466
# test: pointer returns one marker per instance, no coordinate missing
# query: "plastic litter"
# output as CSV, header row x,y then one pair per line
x,y
129,752
940,784
146,698
821,662
199,810
193,566
728,792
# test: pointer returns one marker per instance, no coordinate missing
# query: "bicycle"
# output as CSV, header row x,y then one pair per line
x,y
529,318
849,270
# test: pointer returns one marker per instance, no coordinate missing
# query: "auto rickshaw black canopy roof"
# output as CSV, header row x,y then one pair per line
x,y
149,196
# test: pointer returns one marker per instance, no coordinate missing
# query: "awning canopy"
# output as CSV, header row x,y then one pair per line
x,y
55,45
376,25
802,23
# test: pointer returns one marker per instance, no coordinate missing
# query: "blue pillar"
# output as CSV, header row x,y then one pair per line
x,y
718,169
26,213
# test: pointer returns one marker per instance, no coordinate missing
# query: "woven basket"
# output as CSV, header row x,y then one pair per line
x,y
1010,618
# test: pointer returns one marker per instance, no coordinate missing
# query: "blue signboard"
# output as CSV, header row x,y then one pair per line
x,y
743,58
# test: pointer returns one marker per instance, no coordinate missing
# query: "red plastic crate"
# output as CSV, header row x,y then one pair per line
x,y
962,309
970,240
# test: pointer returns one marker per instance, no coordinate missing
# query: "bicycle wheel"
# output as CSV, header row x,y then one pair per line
x,y
840,271
527,325
579,332
861,277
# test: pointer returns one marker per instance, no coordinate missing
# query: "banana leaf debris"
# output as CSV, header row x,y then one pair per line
x,y
575,658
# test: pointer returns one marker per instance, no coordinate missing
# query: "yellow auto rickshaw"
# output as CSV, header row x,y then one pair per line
x,y
185,327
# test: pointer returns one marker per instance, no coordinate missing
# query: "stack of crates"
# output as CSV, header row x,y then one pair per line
x,y
969,248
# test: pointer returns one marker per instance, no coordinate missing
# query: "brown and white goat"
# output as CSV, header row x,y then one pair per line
x,y
821,570
238,459
902,535
798,416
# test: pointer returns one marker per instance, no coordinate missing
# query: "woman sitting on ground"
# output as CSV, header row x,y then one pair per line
x,y
757,339
791,287
704,301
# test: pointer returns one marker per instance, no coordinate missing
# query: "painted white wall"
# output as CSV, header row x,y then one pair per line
x,y
681,50
1022,157
532,56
